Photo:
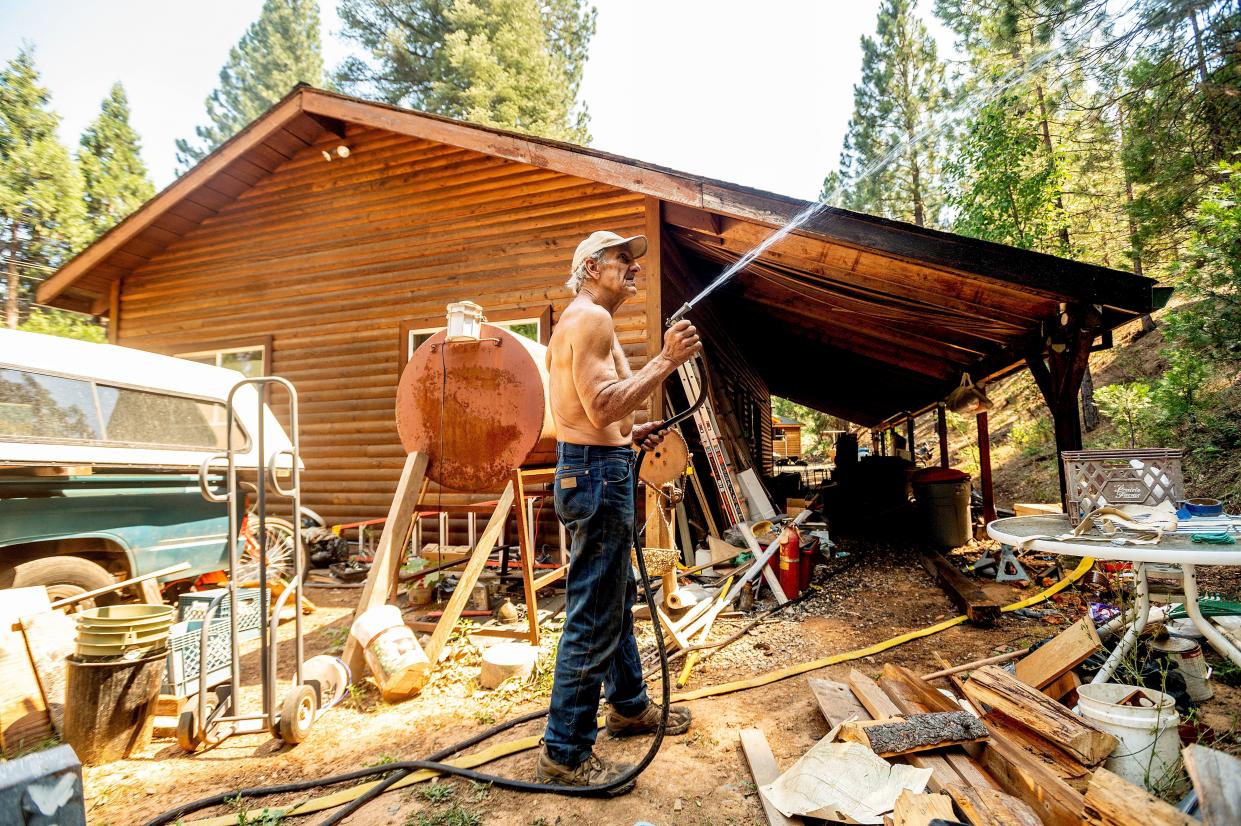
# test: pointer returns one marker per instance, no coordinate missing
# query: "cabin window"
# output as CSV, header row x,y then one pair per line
x,y
533,324
250,361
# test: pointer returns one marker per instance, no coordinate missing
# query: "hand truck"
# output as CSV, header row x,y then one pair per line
x,y
209,723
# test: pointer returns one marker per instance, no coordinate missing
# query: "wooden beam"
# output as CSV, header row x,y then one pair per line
x,y
1113,801
992,686
388,551
984,467
914,809
1041,750
941,431
991,807
1063,653
1022,776
981,609
465,585
652,263
114,312
764,770
1217,780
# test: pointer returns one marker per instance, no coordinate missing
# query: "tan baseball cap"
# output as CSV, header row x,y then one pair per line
x,y
601,240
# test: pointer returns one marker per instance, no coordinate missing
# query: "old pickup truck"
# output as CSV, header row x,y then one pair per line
x,y
100,455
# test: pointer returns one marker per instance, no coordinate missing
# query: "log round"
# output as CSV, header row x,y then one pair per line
x,y
508,659
478,409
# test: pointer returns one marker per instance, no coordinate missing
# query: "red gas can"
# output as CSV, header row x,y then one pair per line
x,y
790,562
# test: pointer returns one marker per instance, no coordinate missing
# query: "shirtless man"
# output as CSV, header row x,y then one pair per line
x,y
593,399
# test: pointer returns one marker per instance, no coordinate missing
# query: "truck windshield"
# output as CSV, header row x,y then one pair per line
x,y
56,408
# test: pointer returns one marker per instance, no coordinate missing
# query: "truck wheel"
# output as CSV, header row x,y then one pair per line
x,y
64,576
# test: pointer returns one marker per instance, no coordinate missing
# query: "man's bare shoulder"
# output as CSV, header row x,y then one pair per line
x,y
585,321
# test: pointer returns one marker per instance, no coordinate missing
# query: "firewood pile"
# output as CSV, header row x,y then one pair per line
x,y
978,744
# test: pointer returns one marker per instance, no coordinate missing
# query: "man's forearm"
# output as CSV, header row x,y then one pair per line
x,y
622,397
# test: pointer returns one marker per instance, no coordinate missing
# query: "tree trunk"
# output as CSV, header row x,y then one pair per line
x,y
1051,160
1090,410
14,284
1148,323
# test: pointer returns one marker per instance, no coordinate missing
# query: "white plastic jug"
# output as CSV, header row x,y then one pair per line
x,y
392,652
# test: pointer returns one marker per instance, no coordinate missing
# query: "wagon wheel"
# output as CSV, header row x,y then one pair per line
x,y
280,547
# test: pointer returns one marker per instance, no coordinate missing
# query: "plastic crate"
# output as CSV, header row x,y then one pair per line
x,y
193,606
1144,476
184,673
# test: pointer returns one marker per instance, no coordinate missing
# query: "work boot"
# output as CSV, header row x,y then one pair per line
x,y
647,721
591,772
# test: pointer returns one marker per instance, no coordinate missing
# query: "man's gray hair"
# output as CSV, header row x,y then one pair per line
x,y
578,277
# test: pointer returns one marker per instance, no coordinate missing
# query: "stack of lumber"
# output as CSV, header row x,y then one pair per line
x,y
1003,750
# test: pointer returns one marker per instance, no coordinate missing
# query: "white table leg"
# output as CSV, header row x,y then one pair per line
x,y
1141,615
1218,641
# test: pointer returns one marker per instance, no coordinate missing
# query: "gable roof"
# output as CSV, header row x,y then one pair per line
x,y
897,311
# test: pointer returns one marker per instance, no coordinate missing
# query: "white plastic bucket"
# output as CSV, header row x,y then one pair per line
x,y
1150,747
392,652
1186,655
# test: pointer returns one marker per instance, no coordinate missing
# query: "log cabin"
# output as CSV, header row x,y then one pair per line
x,y
323,242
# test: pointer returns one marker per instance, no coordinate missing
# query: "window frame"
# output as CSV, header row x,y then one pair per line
x,y
103,425
542,316
233,345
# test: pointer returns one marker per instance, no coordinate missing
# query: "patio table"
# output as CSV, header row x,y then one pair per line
x,y
1038,533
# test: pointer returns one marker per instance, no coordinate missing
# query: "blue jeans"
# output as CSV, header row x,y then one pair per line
x,y
594,499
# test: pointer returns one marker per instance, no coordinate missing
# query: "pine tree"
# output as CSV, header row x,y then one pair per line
x,y
113,173
42,218
889,166
279,50
514,64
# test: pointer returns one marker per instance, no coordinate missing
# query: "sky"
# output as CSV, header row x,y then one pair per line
x,y
756,92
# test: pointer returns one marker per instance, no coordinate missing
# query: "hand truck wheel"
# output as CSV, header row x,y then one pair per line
x,y
297,714
189,727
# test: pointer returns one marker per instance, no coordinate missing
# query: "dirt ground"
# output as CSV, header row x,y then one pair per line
x,y
698,779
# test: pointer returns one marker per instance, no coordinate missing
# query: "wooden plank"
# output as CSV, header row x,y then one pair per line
x,y
50,638
904,696
1063,653
383,568
926,695
836,702
995,687
24,719
976,603
879,705
1041,750
1055,802
465,584
991,807
913,809
1113,801
1217,780
764,770
916,732
1061,690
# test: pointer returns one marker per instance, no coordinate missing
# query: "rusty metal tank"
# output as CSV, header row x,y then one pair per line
x,y
478,408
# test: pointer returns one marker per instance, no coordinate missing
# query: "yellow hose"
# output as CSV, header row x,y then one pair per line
x,y
522,744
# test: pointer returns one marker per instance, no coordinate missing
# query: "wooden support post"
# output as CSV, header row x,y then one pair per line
x,y
114,312
941,430
526,545
465,585
909,436
387,552
984,468
1059,378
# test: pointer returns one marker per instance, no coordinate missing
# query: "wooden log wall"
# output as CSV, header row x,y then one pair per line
x,y
329,258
